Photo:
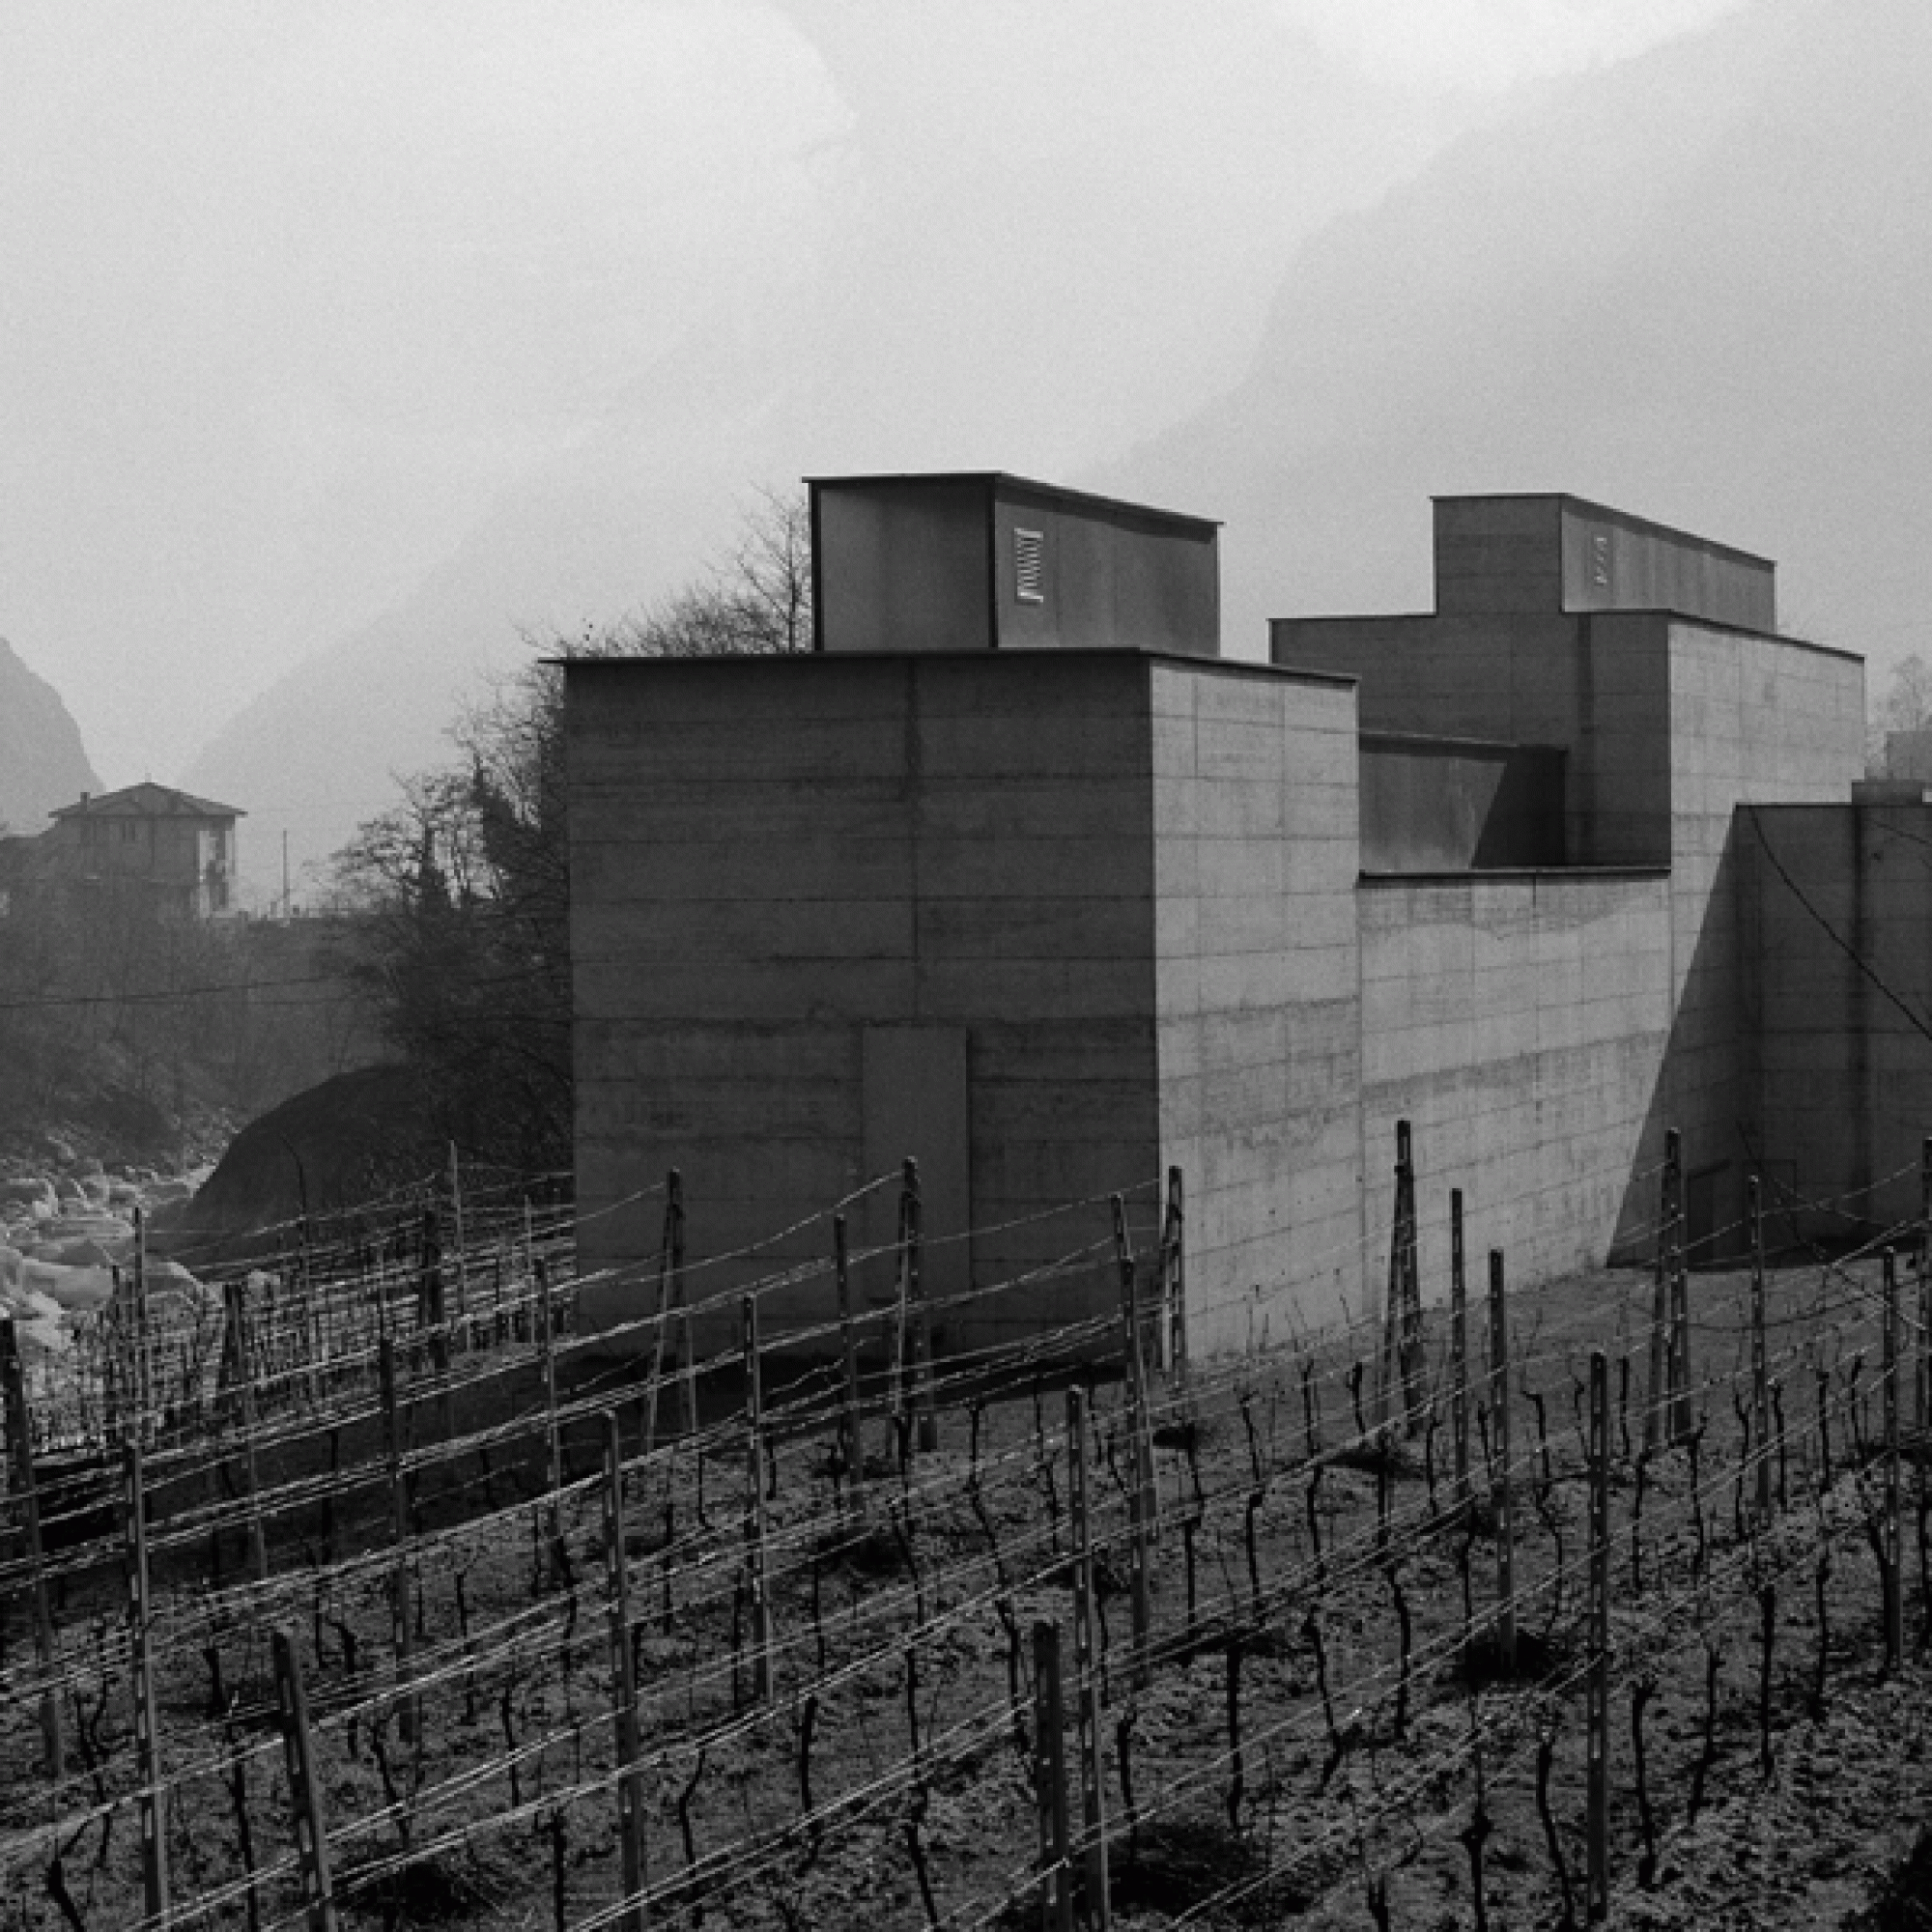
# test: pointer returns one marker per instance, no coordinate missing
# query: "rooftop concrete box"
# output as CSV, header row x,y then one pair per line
x,y
982,560
1559,552
834,910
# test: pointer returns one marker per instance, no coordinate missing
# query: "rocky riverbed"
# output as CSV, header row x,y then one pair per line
x,y
68,1240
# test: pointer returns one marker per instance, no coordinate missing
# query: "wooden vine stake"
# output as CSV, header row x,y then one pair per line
x,y
1174,1285
1499,1422
431,1316
852,1424
1597,1886
1760,1371
1662,1355
1894,1579
1922,1378
754,1506
623,1684
916,1317
304,1787
1049,1783
144,1358
1459,1350
241,1339
401,1629
1098,1911
1683,1419
20,1459
1402,1326
553,1435
666,1358
1140,1449
461,1255
147,1736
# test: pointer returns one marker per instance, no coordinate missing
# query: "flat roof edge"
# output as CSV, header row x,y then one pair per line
x,y
1010,653
1648,524
1656,610
1032,485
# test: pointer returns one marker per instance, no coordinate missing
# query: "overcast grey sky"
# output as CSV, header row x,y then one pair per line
x,y
293,293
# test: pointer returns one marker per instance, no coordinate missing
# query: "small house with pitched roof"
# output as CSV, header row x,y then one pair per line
x,y
146,836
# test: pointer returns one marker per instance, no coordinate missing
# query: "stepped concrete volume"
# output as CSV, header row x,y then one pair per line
x,y
1017,875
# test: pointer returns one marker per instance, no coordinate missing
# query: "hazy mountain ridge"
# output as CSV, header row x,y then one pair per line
x,y
1690,286
593,535
1731,342
42,762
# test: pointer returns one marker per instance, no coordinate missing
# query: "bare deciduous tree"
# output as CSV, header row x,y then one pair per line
x,y
1905,707
460,890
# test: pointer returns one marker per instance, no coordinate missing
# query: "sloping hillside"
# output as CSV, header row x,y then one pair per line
x,y
588,538
1693,287
42,762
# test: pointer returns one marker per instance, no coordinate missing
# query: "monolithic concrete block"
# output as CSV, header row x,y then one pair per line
x,y
1249,868
720,750
1012,1176
740,930
1099,807
689,1111
1026,745
1035,989
761,864
1036,866
852,989
625,1050
1222,809
1176,926
1034,928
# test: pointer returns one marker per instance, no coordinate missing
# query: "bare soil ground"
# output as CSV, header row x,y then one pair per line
x,y
1325,1735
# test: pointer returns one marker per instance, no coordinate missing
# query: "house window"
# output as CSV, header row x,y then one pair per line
x,y
1029,562
131,832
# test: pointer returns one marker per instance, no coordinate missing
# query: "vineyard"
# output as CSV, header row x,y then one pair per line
x,y
367,1590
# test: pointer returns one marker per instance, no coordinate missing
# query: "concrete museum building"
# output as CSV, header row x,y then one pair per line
x,y
1016,874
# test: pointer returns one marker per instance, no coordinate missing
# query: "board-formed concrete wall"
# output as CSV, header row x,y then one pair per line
x,y
785,871
1838,1088
1260,1015
830,911
1053,920
1517,1021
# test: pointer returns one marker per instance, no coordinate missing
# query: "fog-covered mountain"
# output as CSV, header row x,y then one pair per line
x,y
1693,287
605,529
42,762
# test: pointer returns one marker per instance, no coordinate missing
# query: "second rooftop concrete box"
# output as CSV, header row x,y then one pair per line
x,y
1560,553
982,560
832,910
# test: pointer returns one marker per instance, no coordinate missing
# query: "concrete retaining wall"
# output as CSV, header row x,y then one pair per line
x,y
1840,1083
1520,1023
